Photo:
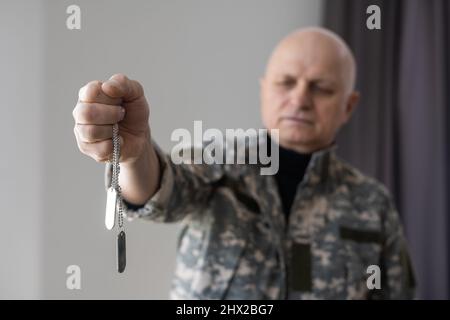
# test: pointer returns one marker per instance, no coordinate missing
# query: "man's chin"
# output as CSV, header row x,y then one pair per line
x,y
299,135
295,140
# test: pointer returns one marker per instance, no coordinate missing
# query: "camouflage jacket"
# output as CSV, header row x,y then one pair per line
x,y
236,244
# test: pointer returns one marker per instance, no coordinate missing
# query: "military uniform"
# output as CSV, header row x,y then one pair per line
x,y
236,244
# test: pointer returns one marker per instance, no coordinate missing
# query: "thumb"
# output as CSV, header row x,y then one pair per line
x,y
119,86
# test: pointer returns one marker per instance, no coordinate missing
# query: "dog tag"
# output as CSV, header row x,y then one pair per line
x,y
111,206
121,252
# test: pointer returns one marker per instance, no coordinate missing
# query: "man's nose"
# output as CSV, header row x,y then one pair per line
x,y
301,96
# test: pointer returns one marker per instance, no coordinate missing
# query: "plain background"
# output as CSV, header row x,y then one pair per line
x,y
197,59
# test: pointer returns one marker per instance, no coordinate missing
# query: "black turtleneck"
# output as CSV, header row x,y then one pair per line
x,y
292,167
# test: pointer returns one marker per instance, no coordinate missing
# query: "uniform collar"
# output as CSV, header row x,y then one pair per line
x,y
318,166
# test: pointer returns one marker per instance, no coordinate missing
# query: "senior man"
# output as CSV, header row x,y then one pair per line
x,y
314,230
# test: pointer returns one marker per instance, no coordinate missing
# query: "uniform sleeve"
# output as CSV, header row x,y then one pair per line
x,y
398,280
184,189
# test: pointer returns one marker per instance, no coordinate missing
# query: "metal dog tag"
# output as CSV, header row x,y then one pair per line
x,y
121,252
111,205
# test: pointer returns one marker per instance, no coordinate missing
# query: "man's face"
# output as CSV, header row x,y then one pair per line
x,y
305,95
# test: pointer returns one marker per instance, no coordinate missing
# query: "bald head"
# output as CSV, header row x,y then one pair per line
x,y
315,45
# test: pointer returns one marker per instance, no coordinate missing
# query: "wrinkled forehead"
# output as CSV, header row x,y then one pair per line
x,y
309,57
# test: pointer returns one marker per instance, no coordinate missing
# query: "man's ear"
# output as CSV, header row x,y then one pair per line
x,y
352,102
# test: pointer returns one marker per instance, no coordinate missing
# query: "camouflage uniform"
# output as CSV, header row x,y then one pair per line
x,y
236,244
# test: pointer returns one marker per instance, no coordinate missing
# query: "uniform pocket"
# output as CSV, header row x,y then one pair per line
x,y
362,248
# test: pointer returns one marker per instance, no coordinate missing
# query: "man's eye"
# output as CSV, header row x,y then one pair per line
x,y
286,83
322,90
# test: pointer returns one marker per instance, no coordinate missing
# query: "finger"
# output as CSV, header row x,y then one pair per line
x,y
100,151
92,92
97,114
94,133
119,86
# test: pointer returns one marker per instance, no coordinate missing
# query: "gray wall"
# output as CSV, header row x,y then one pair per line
x,y
197,59
21,170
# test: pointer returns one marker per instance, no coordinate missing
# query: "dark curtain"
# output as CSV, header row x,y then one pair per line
x,y
400,131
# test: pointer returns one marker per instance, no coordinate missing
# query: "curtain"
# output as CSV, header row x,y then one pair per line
x,y
400,132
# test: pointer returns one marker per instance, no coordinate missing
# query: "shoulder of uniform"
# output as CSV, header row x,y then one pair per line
x,y
359,183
